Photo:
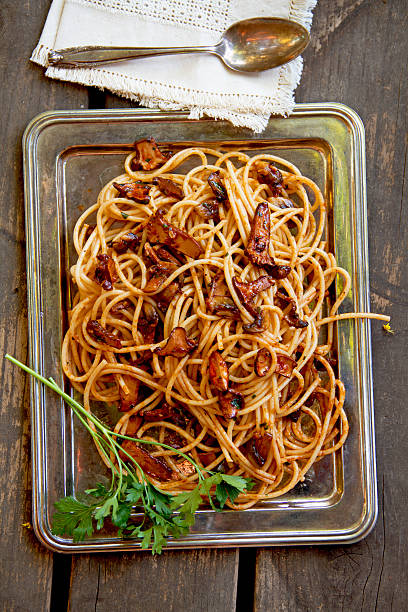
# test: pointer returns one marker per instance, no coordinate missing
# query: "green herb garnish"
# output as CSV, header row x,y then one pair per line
x,y
164,515
124,215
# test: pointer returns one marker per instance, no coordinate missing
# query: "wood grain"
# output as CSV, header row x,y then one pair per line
x,y
358,56
200,580
25,566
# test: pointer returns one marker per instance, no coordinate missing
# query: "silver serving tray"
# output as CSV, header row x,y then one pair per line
x,y
68,156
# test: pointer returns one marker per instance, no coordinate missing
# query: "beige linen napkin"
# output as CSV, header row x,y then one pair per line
x,y
199,83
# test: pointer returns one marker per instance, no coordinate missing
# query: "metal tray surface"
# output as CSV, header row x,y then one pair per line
x,y
68,157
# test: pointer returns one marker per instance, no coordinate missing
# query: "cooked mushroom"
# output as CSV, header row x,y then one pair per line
x,y
218,371
105,272
119,306
219,300
248,291
147,325
169,187
291,317
258,325
257,249
155,282
230,401
100,334
272,177
128,241
164,254
153,466
209,210
260,446
263,362
165,297
165,412
129,400
284,365
178,344
164,266
136,190
218,189
160,230
148,155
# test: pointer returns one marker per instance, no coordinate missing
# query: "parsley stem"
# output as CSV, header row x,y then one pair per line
x,y
108,434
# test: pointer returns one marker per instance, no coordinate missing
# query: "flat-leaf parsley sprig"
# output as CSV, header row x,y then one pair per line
x,y
164,515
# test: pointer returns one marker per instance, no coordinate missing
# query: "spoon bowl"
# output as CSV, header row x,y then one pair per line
x,y
262,43
251,45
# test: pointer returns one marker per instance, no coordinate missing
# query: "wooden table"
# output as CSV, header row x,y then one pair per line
x,y
358,55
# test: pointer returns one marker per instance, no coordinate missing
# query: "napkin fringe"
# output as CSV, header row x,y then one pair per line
x,y
244,110
302,12
40,55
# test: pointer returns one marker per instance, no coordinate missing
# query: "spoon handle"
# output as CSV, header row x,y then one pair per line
x,y
85,57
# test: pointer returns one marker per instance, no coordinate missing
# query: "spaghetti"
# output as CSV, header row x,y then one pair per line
x,y
200,301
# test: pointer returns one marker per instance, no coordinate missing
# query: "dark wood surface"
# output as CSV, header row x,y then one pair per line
x,y
358,56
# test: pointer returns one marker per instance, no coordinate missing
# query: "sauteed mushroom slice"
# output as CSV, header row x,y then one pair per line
x,y
218,371
259,238
148,155
128,241
164,412
105,272
260,446
292,317
135,190
165,266
272,177
160,230
178,344
156,281
152,466
248,291
148,323
120,306
129,400
169,187
257,249
263,362
218,189
219,300
165,297
258,325
230,401
100,334
284,365
209,210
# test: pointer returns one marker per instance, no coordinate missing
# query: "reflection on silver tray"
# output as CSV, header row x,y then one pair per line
x,y
69,156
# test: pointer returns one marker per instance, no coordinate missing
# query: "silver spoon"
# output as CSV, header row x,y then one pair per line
x,y
251,45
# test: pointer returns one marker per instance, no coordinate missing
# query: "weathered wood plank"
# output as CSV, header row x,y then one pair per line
x,y
358,56
25,566
200,580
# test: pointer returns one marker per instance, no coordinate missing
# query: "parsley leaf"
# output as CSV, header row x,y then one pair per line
x,y
72,518
164,515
